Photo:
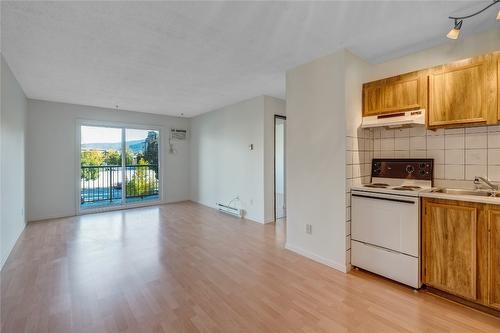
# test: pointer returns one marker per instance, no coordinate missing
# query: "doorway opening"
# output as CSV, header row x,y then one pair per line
x,y
119,166
279,168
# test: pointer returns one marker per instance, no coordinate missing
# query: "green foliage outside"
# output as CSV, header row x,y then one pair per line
x,y
91,158
100,158
112,157
141,182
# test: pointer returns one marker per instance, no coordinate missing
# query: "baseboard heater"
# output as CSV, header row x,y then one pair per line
x,y
230,210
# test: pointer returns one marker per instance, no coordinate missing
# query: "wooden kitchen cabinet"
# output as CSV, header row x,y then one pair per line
x,y
450,248
400,93
461,250
464,92
498,84
493,296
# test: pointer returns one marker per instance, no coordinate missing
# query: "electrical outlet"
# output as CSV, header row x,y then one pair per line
x,y
309,228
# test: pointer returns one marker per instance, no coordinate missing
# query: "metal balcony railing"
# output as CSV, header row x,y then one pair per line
x,y
104,183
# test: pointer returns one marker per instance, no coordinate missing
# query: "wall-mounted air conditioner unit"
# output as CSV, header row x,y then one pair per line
x,y
178,134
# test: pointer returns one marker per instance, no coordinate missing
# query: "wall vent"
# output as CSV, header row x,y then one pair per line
x,y
178,134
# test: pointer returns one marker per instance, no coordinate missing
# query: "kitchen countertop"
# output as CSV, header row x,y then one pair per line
x,y
460,197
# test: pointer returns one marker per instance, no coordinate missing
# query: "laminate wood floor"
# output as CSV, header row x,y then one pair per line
x,y
186,268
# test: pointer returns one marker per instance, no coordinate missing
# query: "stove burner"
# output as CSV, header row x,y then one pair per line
x,y
377,185
406,188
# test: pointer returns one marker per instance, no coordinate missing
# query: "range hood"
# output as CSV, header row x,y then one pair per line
x,y
396,119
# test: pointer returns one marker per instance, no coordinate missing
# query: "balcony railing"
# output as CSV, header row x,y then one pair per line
x,y
104,183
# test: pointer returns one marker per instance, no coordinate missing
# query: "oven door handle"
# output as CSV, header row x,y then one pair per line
x,y
386,199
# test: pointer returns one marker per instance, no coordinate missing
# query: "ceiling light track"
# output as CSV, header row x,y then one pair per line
x,y
458,20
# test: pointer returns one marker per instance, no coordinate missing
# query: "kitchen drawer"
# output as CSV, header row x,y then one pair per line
x,y
393,265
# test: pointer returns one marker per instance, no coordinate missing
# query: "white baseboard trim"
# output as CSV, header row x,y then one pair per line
x,y
269,220
317,258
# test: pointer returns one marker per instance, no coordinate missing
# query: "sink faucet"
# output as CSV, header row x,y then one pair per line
x,y
478,180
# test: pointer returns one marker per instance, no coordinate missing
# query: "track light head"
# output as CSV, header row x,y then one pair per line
x,y
455,32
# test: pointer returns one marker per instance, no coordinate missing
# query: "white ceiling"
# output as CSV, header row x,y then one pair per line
x,y
193,57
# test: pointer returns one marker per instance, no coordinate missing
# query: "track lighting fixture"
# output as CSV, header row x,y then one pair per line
x,y
455,32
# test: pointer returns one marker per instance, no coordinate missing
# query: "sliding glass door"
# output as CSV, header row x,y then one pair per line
x,y
118,166
141,170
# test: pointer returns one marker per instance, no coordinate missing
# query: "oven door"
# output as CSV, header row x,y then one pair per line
x,y
388,221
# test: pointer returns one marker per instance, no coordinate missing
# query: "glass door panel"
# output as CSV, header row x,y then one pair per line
x,y
141,165
100,167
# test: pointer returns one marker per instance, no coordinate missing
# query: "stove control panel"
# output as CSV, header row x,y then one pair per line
x,y
420,169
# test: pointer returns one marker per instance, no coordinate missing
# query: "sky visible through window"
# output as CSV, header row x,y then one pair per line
x,y
97,134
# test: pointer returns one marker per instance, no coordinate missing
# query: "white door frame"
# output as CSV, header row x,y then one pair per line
x,y
123,126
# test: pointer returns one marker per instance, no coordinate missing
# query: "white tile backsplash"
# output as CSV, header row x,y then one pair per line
x,y
387,144
481,129
454,171
454,141
472,171
493,139
449,131
454,156
402,143
476,156
494,156
435,142
476,140
417,131
402,133
437,155
459,154
494,172
418,143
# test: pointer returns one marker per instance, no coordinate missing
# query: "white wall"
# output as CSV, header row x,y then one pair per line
x,y
315,149
12,168
223,167
52,155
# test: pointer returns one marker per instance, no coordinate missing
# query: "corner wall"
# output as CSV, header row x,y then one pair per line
x,y
316,164
12,162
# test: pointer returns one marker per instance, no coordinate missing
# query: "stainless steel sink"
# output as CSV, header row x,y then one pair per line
x,y
479,193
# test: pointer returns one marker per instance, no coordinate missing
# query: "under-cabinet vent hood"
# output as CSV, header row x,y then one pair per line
x,y
394,120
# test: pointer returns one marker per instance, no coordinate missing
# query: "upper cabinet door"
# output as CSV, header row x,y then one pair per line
x,y
400,93
464,92
498,84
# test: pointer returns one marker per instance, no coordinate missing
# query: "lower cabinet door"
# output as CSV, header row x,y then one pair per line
x,y
450,241
494,258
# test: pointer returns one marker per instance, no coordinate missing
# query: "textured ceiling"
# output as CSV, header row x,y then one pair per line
x,y
193,57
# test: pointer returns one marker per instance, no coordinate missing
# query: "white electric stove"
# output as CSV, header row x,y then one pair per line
x,y
385,219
